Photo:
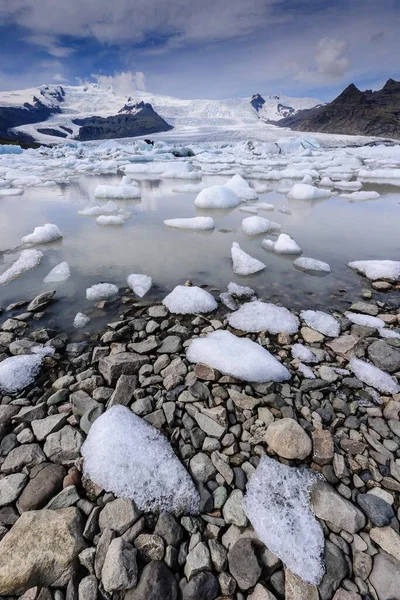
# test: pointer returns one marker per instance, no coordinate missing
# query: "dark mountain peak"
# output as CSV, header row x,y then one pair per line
x,y
391,83
257,101
351,95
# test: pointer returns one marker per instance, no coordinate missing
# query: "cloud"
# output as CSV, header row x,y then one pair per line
x,y
331,64
122,83
50,44
59,78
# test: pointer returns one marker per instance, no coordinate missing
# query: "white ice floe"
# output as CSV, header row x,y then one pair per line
x,y
374,377
379,173
94,211
264,206
348,185
303,191
190,188
139,283
60,272
361,196
125,455
101,291
322,322
243,263
27,260
110,220
189,299
263,316
277,505
366,320
238,357
389,333
306,371
117,192
43,235
305,354
378,269
17,372
81,320
311,265
217,196
307,179
11,192
285,210
249,209
283,245
191,223
181,170
274,228
241,188
240,291
148,168
326,182
255,225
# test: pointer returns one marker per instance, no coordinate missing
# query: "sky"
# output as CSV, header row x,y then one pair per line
x,y
207,49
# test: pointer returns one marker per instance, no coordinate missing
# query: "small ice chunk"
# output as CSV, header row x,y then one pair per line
x,y
361,196
240,291
307,179
243,263
366,320
283,245
322,322
311,265
17,372
348,185
181,170
238,357
264,206
255,225
28,259
125,455
373,376
11,192
389,333
285,210
277,505
192,223
117,192
101,291
139,283
275,228
217,196
81,320
189,299
326,182
378,269
228,300
43,235
306,371
94,211
60,272
241,188
263,316
249,209
303,191
43,350
303,353
110,220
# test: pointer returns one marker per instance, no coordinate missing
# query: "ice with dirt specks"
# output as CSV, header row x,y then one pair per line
x,y
262,316
200,223
118,192
17,372
43,235
27,260
255,225
321,321
139,283
81,320
243,263
311,265
189,299
378,269
217,196
125,455
60,272
303,191
97,210
278,506
101,291
238,357
110,220
283,245
366,320
240,291
241,188
305,354
373,376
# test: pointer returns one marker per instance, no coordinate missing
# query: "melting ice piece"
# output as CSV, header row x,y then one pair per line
x,y
81,320
263,316
303,353
240,291
255,225
241,188
60,272
249,209
181,170
283,245
373,376
264,206
17,372
326,182
303,191
243,263
11,192
43,235
189,299
93,211
321,321
285,210
228,300
348,185
139,283
277,505
367,320
306,371
125,455
307,179
28,259
389,333
217,196
110,220
378,269
101,291
311,265
118,192
193,223
238,357
361,196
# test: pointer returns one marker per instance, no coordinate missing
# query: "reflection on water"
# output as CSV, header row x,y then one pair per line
x,y
333,230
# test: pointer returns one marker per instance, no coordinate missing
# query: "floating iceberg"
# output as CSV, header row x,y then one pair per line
x,y
139,283
60,272
303,191
17,372
94,211
326,182
217,196
241,188
192,223
43,235
181,170
81,320
243,263
263,316
110,220
311,265
373,376
189,299
101,291
322,322
283,245
255,225
117,192
361,196
378,269
28,259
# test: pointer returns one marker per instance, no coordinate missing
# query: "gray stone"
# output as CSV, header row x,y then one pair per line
x,y
197,560
150,546
365,308
27,455
86,558
119,515
385,577
58,397
124,363
384,356
63,382
11,487
44,427
288,439
377,510
89,418
67,497
144,347
243,563
169,529
233,509
124,389
219,555
336,570
227,584
297,589
41,300
330,506
243,401
261,593
81,402
346,346
120,568
103,544
87,589
220,461
203,586
45,481
209,426
156,583
170,345
388,539
63,447
202,468
157,312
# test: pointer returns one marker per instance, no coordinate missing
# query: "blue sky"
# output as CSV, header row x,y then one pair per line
x,y
207,49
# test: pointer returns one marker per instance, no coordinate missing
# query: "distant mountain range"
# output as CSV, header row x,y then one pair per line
x,y
354,112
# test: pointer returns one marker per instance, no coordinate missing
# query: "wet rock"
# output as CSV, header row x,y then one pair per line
x,y
288,439
156,583
365,307
243,563
41,301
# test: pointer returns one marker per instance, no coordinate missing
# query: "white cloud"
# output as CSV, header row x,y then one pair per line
x,y
331,63
59,78
50,44
122,83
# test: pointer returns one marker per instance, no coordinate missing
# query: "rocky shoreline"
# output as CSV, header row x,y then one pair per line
x,y
64,537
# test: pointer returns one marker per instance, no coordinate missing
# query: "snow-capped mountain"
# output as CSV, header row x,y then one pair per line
x,y
53,113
